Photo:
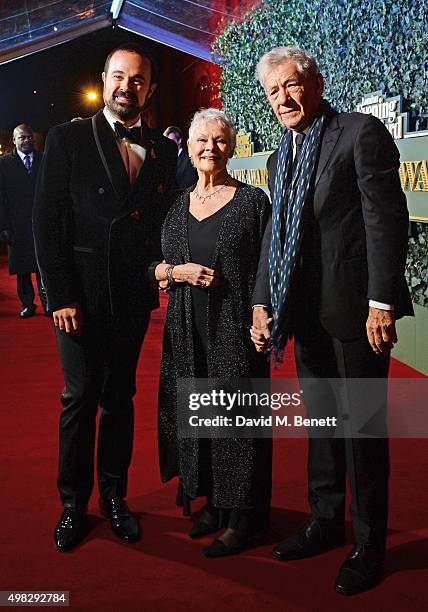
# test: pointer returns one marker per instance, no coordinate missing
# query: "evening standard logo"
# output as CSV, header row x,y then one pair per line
x,y
414,175
244,146
388,110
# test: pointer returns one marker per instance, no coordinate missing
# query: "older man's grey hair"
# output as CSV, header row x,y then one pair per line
x,y
206,115
305,63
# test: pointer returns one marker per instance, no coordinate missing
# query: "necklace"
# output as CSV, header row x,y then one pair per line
x,y
210,195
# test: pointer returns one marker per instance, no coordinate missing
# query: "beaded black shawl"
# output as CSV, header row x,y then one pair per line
x,y
241,468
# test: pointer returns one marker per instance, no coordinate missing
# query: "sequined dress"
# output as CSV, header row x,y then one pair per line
x,y
208,336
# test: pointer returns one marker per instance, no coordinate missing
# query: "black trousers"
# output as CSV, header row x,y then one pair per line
x,y
99,369
25,289
365,460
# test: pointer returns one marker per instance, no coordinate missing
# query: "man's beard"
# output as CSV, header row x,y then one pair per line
x,y
124,112
27,148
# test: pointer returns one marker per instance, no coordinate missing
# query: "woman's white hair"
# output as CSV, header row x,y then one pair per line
x,y
205,115
306,64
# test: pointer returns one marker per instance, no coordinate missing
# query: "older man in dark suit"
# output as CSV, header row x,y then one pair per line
x,y
18,173
98,210
332,272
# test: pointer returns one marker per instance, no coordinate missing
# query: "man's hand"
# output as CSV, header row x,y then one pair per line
x,y
69,319
260,331
381,331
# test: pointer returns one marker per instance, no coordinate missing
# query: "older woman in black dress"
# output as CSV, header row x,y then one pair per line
x,y
211,243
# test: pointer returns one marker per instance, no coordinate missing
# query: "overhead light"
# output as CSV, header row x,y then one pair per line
x,y
116,7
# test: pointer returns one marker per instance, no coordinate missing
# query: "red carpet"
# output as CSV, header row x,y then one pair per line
x,y
166,570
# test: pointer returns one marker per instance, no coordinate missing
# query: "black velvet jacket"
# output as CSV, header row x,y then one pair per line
x,y
96,237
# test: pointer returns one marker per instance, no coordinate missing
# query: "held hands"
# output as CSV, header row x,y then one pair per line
x,y
260,330
381,331
69,319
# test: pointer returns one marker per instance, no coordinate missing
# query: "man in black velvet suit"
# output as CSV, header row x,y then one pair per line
x,y
18,173
186,174
99,204
345,290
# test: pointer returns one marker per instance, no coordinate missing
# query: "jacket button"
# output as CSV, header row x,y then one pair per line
x,y
101,190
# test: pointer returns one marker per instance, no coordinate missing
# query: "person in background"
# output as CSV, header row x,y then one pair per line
x,y
211,241
332,271
186,173
18,174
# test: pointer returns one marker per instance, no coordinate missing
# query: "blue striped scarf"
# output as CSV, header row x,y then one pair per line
x,y
289,198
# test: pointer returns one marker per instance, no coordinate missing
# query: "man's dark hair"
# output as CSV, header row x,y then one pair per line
x,y
140,50
173,129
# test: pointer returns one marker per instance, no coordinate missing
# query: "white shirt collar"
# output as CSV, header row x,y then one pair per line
x,y
305,131
22,155
112,120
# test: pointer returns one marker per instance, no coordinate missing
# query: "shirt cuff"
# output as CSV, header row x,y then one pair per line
x,y
380,305
260,305
151,272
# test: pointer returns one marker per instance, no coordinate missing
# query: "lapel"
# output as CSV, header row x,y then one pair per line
x,y
183,216
226,230
112,155
151,179
37,158
19,165
181,161
331,136
227,226
147,172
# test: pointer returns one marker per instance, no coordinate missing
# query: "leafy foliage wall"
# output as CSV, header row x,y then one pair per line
x,y
360,47
417,264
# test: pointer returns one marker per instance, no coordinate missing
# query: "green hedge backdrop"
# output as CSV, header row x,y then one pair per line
x,y
360,46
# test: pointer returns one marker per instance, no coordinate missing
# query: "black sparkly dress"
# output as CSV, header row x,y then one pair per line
x,y
207,335
202,237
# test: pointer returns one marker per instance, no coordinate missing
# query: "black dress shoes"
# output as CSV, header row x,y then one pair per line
x,y
316,536
28,311
71,529
231,542
122,522
361,571
245,529
210,521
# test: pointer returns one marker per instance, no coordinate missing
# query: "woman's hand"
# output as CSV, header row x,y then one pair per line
x,y
191,273
195,274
